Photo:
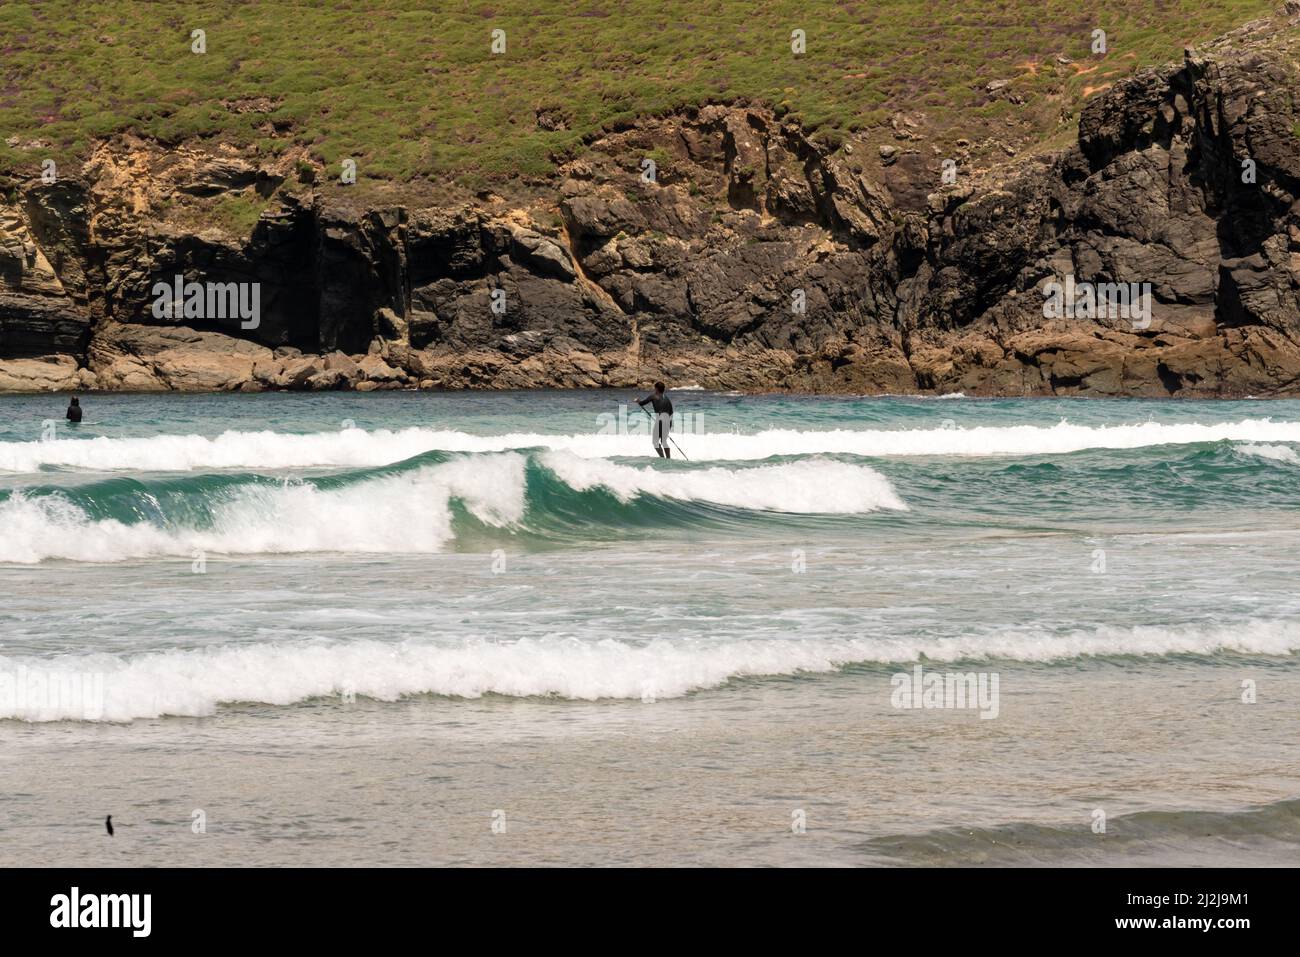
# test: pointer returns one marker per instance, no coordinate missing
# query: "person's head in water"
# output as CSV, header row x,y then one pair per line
x,y
659,388
76,401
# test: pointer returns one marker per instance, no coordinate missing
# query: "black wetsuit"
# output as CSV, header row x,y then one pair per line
x,y
663,423
74,413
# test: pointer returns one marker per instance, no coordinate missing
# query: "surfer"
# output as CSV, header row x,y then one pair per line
x,y
663,419
74,410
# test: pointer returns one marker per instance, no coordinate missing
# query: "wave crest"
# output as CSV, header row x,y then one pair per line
x,y
355,448
194,682
411,509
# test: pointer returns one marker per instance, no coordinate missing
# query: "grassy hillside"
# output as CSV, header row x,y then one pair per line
x,y
417,95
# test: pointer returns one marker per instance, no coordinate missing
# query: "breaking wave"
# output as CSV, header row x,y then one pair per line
x,y
194,682
409,508
356,448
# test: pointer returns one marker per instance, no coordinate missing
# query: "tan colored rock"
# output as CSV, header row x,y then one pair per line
x,y
200,371
44,374
20,257
328,380
344,365
137,357
269,373
128,374
376,369
391,325
298,371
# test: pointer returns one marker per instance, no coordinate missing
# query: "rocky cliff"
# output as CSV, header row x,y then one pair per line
x,y
720,246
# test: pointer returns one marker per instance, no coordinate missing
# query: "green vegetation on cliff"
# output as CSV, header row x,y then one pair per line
x,y
413,94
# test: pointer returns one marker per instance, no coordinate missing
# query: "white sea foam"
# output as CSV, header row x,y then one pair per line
x,y
1278,453
196,682
400,513
354,448
809,486
409,512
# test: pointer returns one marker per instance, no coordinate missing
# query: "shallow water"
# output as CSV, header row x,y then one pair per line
x,y
351,627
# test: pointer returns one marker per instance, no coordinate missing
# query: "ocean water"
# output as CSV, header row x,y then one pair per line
x,y
494,628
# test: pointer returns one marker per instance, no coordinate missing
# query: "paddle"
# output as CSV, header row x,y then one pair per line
x,y
670,438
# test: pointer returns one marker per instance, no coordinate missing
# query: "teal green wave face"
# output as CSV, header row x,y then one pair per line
x,y
562,499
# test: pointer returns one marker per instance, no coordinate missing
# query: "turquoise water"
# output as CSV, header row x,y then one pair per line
x,y
340,564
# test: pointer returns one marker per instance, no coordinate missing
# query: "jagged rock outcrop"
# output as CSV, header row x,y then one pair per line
x,y
719,245
38,315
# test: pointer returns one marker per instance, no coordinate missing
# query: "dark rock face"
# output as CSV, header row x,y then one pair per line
x,y
43,286
38,326
743,256
1183,178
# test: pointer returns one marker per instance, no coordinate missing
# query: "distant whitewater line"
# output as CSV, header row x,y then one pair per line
x,y
195,682
353,448
408,512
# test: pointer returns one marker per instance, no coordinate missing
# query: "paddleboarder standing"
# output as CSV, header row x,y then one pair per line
x,y
662,420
